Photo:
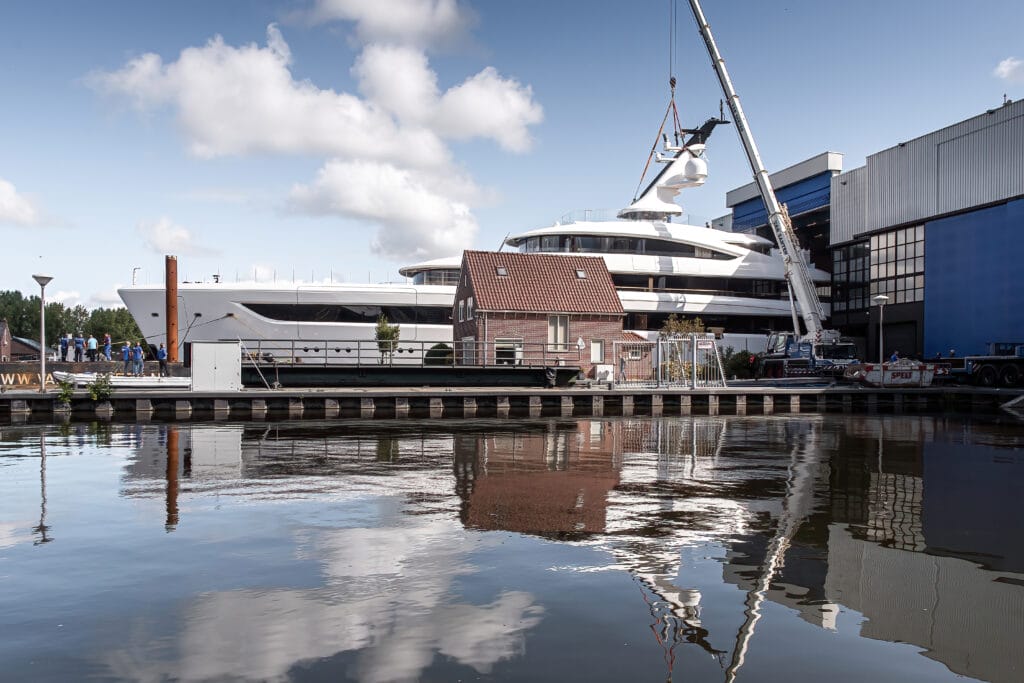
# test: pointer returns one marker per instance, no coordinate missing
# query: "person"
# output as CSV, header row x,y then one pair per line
x,y
161,355
63,347
106,346
79,347
126,356
894,357
952,353
622,367
137,356
90,347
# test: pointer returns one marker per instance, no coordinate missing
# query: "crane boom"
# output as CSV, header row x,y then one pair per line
x,y
797,273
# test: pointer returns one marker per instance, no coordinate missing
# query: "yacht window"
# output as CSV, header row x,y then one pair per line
x,y
549,243
351,313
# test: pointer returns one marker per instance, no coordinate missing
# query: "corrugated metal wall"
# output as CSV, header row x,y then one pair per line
x,y
847,211
974,162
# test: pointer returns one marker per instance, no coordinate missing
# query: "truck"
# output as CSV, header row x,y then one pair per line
x,y
1001,366
788,353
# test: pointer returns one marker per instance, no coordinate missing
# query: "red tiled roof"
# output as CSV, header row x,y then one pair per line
x,y
540,283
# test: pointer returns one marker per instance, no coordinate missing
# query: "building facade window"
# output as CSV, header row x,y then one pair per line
x,y
469,308
850,278
897,265
462,310
596,351
558,332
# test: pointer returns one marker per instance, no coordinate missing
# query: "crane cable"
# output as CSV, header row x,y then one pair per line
x,y
671,109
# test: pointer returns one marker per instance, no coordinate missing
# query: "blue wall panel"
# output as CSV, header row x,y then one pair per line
x,y
809,193
973,285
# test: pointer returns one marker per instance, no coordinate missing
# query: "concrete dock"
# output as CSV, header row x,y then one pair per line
x,y
500,402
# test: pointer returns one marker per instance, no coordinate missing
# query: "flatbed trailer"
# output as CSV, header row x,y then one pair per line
x,y
988,370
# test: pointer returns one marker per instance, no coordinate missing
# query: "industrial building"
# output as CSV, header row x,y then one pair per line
x,y
936,224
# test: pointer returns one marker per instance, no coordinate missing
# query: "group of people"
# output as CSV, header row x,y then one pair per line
x,y
81,348
133,356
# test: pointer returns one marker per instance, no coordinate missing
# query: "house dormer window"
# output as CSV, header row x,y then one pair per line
x,y
581,274
502,271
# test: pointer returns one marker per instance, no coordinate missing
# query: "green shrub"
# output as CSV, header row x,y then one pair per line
x,y
66,392
439,354
100,389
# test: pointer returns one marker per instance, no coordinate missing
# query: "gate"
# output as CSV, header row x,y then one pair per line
x,y
687,361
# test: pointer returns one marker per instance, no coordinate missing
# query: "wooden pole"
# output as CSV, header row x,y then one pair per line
x,y
171,289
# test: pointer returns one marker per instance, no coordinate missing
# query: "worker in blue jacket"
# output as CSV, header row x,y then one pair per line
x,y
137,356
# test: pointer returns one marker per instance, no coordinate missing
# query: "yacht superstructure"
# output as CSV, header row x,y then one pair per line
x,y
734,282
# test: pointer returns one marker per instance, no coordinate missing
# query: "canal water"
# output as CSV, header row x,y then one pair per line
x,y
703,548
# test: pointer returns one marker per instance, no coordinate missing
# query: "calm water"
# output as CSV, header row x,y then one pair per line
x,y
790,548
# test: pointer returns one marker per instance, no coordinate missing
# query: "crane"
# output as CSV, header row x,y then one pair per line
x,y
823,343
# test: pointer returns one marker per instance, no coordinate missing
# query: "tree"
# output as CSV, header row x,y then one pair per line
x,y
678,327
117,322
387,338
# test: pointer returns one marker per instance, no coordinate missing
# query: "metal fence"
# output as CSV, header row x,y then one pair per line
x,y
409,353
690,360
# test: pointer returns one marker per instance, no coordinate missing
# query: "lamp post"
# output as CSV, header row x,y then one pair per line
x,y
43,280
881,300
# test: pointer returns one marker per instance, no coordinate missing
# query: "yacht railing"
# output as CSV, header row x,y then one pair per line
x,y
608,215
401,353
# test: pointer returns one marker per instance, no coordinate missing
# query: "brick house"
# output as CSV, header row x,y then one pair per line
x,y
535,309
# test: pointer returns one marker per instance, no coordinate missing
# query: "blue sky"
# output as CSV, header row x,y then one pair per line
x,y
311,138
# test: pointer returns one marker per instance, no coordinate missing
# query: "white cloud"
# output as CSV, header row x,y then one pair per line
x,y
68,297
420,216
489,106
1010,69
385,151
486,105
244,100
422,23
15,208
107,298
163,236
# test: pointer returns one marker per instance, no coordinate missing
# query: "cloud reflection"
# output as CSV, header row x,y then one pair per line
x,y
388,596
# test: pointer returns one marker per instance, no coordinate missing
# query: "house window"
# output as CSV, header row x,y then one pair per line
x,y
558,332
469,308
468,350
596,351
502,271
462,310
508,351
636,353
581,274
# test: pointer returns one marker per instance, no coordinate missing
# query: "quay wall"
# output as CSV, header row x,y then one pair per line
x,y
386,403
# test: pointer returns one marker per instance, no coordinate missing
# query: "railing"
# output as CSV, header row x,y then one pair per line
x,y
408,353
691,360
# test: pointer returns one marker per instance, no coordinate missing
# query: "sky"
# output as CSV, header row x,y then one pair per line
x,y
337,140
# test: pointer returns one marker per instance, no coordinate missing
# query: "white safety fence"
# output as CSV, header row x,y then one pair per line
x,y
686,361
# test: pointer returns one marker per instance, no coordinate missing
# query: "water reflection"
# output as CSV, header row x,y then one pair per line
x,y
398,551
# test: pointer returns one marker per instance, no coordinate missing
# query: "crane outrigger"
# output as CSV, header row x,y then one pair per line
x,y
818,350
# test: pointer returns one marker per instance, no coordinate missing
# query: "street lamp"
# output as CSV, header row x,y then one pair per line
x,y
43,280
881,300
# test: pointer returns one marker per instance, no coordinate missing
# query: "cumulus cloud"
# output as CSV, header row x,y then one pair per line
x,y
1010,69
486,105
419,215
422,23
233,101
163,236
16,208
241,100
